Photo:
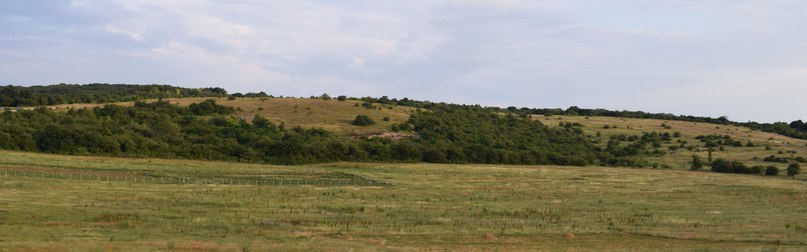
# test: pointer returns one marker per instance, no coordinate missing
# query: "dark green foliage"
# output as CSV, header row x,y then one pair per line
x,y
771,171
718,141
13,96
363,120
472,134
757,169
775,159
403,127
209,107
793,169
646,144
799,125
368,105
725,166
697,163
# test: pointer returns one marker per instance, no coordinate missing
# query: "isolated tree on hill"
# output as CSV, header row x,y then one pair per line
x,y
363,120
793,169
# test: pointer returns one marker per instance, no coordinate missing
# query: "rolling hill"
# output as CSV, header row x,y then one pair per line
x,y
676,153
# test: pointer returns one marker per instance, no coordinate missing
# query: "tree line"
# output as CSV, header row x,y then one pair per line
x,y
17,96
795,129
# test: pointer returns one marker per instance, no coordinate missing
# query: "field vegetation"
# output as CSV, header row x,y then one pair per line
x,y
412,207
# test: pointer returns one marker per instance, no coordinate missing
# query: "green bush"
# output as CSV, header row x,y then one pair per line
x,y
793,169
363,120
771,171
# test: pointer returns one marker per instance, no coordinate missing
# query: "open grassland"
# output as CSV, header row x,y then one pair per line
x,y
119,204
332,115
780,146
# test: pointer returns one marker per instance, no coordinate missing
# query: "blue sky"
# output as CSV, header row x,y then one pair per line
x,y
743,59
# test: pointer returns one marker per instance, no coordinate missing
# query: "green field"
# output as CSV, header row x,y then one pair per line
x,y
72,203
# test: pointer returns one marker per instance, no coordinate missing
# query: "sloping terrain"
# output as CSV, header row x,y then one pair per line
x,y
764,144
685,139
332,115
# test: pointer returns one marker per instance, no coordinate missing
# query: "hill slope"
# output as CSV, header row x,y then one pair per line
x,y
608,127
332,115
336,116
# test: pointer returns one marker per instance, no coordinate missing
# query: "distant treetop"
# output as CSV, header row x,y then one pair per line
x,y
14,96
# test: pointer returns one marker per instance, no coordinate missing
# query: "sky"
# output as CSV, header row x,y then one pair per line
x,y
738,58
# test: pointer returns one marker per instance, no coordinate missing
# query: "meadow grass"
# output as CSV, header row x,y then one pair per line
x,y
451,207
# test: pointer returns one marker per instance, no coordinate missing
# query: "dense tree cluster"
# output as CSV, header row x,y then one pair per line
x,y
725,166
620,147
799,125
472,134
252,95
13,96
775,159
718,140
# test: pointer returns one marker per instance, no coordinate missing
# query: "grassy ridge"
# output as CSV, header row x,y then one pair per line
x,y
458,207
332,115
679,159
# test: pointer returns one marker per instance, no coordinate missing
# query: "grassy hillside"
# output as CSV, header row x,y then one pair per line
x,y
53,202
780,146
332,115
336,116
